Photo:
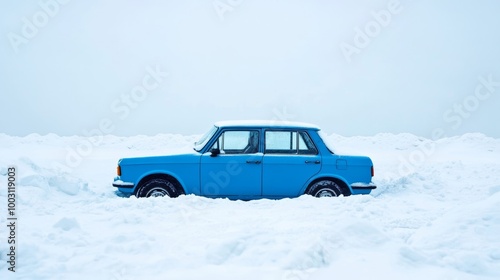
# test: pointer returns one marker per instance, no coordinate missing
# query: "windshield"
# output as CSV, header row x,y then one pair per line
x,y
328,144
198,145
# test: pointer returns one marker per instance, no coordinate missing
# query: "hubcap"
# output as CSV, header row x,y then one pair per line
x,y
157,192
325,193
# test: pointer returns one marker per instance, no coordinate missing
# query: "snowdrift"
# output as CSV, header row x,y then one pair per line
x,y
435,214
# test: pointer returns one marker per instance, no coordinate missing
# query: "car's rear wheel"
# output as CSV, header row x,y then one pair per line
x,y
325,188
158,187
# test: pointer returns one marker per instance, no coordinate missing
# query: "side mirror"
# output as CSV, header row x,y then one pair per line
x,y
214,152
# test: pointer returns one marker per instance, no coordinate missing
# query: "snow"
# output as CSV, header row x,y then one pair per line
x,y
434,215
266,123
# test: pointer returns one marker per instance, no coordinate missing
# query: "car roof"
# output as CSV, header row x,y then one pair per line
x,y
266,124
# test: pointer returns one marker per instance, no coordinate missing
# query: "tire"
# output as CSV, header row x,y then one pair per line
x,y
158,187
325,188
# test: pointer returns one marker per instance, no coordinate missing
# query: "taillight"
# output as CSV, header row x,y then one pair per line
x,y
119,170
373,171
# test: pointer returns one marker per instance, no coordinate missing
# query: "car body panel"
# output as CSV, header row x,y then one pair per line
x,y
260,173
285,175
184,168
231,175
349,169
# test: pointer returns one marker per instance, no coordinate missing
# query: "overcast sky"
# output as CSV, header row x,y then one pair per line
x,y
352,67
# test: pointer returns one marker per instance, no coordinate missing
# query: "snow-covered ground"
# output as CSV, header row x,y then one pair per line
x,y
435,215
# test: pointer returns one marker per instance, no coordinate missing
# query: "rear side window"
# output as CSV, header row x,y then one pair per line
x,y
289,142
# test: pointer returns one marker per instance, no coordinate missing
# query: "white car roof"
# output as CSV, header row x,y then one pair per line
x,y
266,123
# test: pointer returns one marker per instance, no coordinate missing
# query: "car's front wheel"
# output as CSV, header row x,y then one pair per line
x,y
325,188
158,187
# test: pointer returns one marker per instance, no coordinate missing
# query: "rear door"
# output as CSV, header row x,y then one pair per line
x,y
237,170
290,160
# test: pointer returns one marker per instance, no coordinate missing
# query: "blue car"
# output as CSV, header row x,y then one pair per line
x,y
249,160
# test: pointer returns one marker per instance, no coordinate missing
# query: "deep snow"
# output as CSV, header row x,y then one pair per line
x,y
435,214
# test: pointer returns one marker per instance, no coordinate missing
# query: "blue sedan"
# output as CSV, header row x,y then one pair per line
x,y
249,160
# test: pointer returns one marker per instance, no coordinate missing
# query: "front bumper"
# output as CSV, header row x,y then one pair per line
x,y
122,185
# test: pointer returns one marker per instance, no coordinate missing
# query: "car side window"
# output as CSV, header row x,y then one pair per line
x,y
238,142
289,142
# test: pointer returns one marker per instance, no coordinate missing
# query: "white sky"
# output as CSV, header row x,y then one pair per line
x,y
264,60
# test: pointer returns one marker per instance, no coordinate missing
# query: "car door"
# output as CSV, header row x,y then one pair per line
x,y
290,160
235,169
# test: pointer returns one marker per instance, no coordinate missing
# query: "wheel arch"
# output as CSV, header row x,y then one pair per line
x,y
346,190
160,175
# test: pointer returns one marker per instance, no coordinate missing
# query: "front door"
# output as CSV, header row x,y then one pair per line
x,y
235,169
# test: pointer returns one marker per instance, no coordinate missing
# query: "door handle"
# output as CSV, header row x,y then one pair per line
x,y
315,161
253,161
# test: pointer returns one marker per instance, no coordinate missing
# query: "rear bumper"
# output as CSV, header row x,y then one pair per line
x,y
363,186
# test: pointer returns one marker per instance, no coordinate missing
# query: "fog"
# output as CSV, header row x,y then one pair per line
x,y
148,67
